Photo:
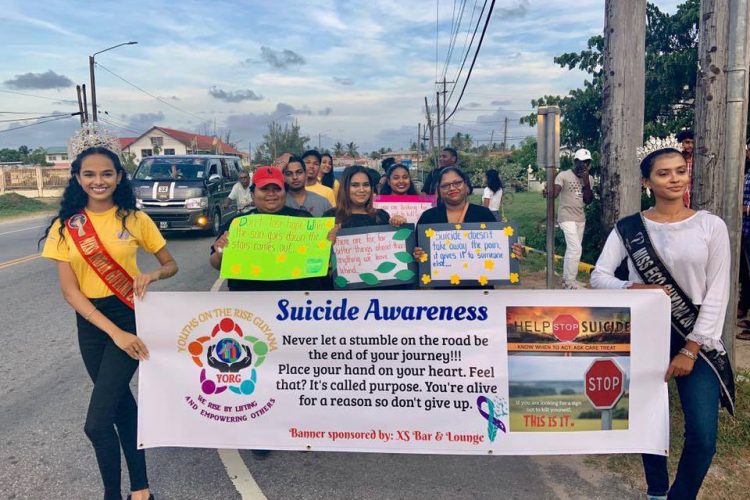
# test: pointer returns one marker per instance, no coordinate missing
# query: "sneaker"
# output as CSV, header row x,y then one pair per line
x,y
581,284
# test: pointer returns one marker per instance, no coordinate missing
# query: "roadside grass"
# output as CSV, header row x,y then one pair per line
x,y
729,475
13,204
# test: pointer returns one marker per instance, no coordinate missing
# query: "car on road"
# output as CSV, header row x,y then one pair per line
x,y
187,192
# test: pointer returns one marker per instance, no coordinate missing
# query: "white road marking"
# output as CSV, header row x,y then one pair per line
x,y
236,469
241,478
24,229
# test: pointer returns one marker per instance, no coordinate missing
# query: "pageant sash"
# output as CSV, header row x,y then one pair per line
x,y
90,246
653,271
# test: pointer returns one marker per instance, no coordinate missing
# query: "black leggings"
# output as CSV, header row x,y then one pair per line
x,y
112,404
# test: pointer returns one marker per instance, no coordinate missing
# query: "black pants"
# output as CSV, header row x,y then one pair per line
x,y
112,404
744,302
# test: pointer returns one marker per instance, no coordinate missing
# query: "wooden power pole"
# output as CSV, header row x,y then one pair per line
x,y
710,107
623,108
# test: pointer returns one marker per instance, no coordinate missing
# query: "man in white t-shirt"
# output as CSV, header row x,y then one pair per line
x,y
241,194
574,190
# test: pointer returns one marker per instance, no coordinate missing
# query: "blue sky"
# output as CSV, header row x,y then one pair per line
x,y
350,70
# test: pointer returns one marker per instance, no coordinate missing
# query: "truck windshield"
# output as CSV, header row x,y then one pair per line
x,y
164,168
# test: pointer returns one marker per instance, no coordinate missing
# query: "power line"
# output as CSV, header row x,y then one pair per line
x,y
38,96
454,36
473,62
150,94
38,123
471,44
32,118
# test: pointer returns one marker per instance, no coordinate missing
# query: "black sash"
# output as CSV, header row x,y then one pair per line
x,y
651,269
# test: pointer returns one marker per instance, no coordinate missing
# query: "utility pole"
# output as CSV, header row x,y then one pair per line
x,y
445,113
85,106
492,139
734,152
707,191
437,103
623,108
505,134
548,156
80,104
93,88
431,128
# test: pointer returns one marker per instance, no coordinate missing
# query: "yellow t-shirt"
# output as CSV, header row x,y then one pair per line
x,y
323,191
121,246
336,186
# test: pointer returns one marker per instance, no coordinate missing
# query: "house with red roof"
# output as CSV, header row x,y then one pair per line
x,y
167,141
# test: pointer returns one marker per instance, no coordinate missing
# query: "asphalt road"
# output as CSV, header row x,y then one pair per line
x,y
44,453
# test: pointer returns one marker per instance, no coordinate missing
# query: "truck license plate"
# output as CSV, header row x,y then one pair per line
x,y
163,224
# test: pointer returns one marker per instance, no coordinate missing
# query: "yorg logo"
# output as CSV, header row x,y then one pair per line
x,y
228,359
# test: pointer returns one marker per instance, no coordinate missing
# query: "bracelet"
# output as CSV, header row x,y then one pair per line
x,y
89,314
689,354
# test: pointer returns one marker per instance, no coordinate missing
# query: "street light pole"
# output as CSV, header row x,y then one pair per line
x,y
92,62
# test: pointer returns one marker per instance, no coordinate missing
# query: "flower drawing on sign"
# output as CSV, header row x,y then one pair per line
x,y
322,244
302,249
478,251
483,280
255,270
514,277
458,226
423,257
328,224
455,279
482,226
430,233
281,258
296,272
466,265
508,231
426,278
489,264
235,269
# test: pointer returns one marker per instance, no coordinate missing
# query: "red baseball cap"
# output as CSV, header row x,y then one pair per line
x,y
266,175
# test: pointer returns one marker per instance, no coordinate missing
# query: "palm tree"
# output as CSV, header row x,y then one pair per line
x,y
351,150
338,149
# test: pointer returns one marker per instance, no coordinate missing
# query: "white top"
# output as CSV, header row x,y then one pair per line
x,y
495,198
242,196
571,205
696,253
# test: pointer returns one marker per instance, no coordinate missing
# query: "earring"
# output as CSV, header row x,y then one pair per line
x,y
648,192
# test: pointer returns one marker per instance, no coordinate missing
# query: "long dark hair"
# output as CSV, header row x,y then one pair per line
x,y
75,199
344,201
493,180
459,173
328,178
387,186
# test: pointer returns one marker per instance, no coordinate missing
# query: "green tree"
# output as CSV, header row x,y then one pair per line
x,y
38,157
7,154
671,59
338,149
128,161
279,140
352,150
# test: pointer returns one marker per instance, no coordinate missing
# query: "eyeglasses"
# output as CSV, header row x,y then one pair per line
x,y
451,185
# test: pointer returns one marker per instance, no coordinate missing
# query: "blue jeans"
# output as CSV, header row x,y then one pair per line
x,y
699,395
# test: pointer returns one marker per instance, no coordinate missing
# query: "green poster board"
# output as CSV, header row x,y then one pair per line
x,y
264,247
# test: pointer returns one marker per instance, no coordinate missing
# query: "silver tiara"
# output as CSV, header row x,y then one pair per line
x,y
92,135
655,144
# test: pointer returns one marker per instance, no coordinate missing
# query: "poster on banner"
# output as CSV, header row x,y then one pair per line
x,y
374,256
389,372
550,350
467,254
409,207
267,247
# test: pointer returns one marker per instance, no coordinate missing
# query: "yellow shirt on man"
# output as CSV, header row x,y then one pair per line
x,y
122,246
323,191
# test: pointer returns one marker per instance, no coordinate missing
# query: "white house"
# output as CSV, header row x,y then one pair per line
x,y
167,141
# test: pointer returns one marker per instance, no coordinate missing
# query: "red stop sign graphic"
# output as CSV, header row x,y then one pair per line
x,y
565,327
605,383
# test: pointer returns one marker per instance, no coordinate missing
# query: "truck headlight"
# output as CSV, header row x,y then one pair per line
x,y
201,202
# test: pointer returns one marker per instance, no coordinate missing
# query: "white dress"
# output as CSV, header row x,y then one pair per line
x,y
696,252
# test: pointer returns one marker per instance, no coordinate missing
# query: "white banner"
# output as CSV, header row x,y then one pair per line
x,y
470,372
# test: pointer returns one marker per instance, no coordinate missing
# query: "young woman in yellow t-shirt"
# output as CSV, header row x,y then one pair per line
x,y
99,194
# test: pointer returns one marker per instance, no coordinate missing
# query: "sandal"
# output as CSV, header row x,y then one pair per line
x,y
744,335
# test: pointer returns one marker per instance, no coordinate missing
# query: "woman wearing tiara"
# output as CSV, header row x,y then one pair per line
x,y
691,250
94,240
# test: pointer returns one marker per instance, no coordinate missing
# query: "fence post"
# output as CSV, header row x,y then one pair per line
x,y
39,181
2,180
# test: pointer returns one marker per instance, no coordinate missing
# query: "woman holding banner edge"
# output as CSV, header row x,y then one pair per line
x,y
696,277
94,239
